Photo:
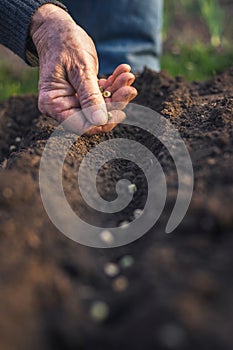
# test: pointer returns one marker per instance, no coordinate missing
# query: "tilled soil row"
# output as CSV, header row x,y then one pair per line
x,y
162,291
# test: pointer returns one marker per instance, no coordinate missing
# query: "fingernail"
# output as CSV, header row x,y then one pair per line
x,y
130,81
99,118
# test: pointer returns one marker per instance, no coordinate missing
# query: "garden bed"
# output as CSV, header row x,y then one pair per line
x,y
176,292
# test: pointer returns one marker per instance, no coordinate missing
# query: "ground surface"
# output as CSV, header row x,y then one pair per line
x,y
177,293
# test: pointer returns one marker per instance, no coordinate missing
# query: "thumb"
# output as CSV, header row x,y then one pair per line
x,y
91,100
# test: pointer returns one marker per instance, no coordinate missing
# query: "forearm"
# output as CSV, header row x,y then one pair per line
x,y
15,20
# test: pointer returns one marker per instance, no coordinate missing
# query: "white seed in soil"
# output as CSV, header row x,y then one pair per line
x,y
120,284
126,261
12,148
124,224
137,213
99,311
111,269
132,188
107,237
18,139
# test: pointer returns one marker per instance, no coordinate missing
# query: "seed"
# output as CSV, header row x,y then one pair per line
x,y
132,188
18,139
120,284
12,148
107,94
110,115
137,213
99,311
126,261
101,89
124,224
111,269
107,237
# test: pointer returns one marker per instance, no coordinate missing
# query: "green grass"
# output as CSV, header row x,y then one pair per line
x,y
12,83
213,15
194,62
198,62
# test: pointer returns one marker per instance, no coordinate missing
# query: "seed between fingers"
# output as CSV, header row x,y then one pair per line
x,y
106,94
110,115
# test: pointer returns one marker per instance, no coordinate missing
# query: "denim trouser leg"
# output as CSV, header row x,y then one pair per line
x,y
124,31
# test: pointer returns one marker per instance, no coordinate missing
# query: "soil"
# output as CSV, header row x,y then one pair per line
x,y
177,291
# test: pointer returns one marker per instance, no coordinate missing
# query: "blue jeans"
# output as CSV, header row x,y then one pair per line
x,y
124,31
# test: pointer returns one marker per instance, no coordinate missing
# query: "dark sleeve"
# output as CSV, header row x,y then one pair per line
x,y
15,18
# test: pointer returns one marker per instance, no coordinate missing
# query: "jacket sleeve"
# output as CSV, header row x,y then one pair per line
x,y
15,18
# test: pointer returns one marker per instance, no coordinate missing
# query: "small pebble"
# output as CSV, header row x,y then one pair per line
x,y
132,188
137,213
33,240
12,148
99,311
111,269
126,261
211,161
120,284
18,139
107,237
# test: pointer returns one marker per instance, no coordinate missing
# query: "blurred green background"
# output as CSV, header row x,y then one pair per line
x,y
197,37
197,43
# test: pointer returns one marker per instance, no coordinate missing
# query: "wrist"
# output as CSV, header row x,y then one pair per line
x,y
45,22
43,15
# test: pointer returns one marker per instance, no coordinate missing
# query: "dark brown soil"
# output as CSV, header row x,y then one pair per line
x,y
180,287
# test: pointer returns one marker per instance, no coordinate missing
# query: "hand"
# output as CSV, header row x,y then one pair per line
x,y
68,74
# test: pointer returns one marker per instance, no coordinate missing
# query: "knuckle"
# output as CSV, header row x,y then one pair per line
x,y
90,99
46,103
41,106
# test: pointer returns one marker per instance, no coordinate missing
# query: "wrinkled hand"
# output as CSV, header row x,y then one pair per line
x,y
68,75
